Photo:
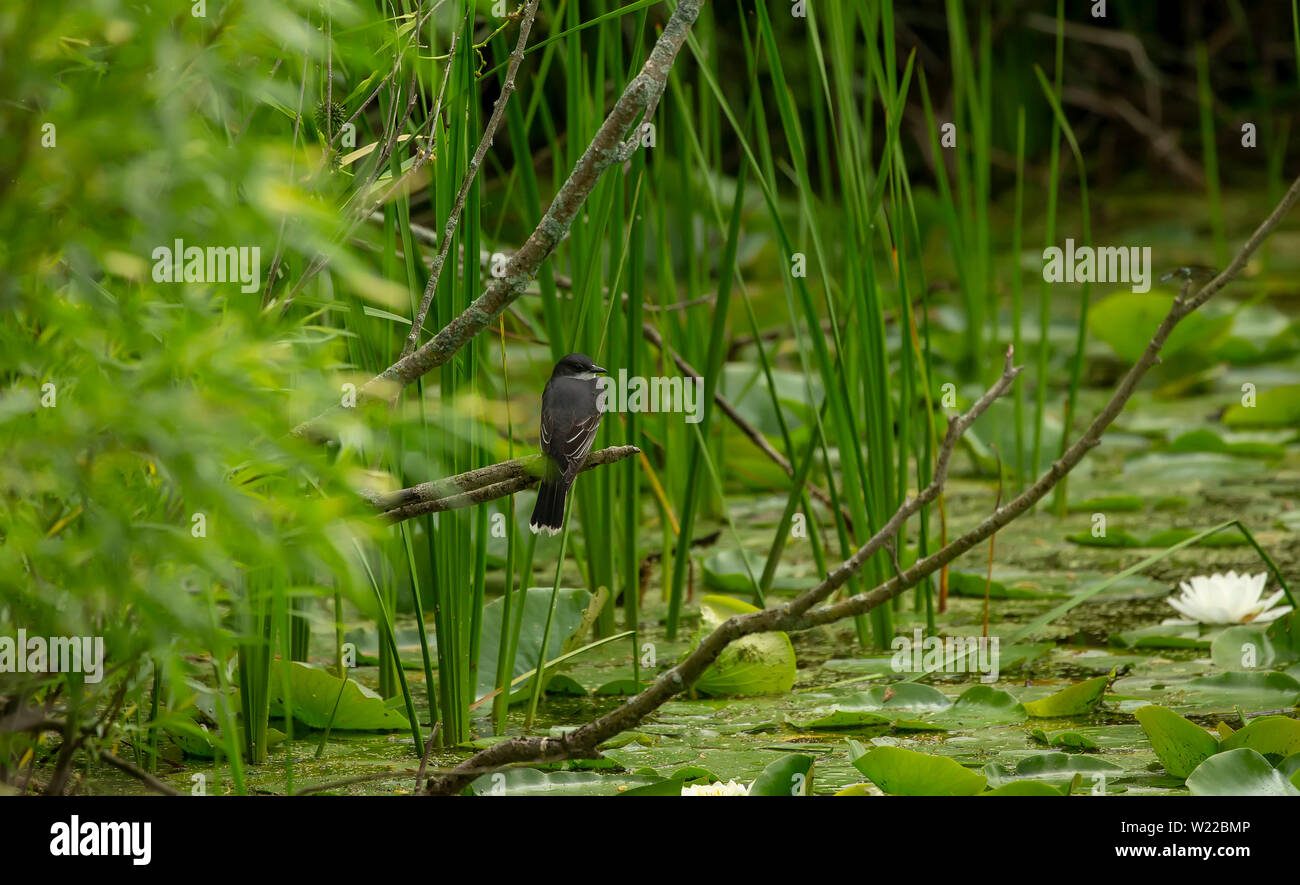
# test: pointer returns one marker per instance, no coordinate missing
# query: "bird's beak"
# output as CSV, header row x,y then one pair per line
x,y
599,370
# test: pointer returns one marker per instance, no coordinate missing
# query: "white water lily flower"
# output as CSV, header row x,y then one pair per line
x,y
1226,599
730,788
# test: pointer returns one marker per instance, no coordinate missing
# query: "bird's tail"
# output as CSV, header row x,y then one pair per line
x,y
548,515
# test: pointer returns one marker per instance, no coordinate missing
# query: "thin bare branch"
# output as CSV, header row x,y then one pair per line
x,y
607,148
475,163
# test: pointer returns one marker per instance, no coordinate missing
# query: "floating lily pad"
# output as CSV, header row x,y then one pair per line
x,y
1274,407
1114,537
1109,504
903,772
758,664
980,706
1162,636
1025,788
972,585
1206,440
1243,648
1051,767
725,570
569,608
1239,772
1069,740
199,741
1269,736
1180,744
1124,320
1071,701
321,699
530,781
791,775
1253,690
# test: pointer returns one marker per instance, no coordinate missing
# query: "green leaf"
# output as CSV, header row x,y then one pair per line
x,y
725,570
316,692
1255,690
1078,698
1052,767
1239,772
1124,320
761,663
531,782
623,686
878,706
1268,735
972,585
569,608
1206,440
1243,647
1070,740
1025,788
1162,636
836,717
791,775
1113,538
665,787
1274,407
1180,744
564,684
1109,504
903,772
980,706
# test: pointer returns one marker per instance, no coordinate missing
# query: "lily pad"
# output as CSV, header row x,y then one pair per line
x,y
1269,735
1239,772
530,781
1243,647
980,706
758,664
569,608
725,570
1025,788
1068,740
973,585
1206,440
1162,636
320,698
903,772
1078,698
1180,744
1051,767
1124,320
1108,504
791,775
1274,407
1253,690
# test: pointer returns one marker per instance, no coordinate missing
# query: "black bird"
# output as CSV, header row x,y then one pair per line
x,y
570,419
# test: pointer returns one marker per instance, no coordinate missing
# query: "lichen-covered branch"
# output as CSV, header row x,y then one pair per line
x,y
453,217
607,148
477,486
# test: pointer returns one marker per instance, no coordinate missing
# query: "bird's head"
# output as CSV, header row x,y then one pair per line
x,y
577,365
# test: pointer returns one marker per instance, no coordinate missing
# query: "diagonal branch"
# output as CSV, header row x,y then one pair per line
x,y
478,485
583,741
475,163
607,148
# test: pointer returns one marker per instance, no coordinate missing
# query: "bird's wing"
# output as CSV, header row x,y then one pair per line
x,y
567,438
578,445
